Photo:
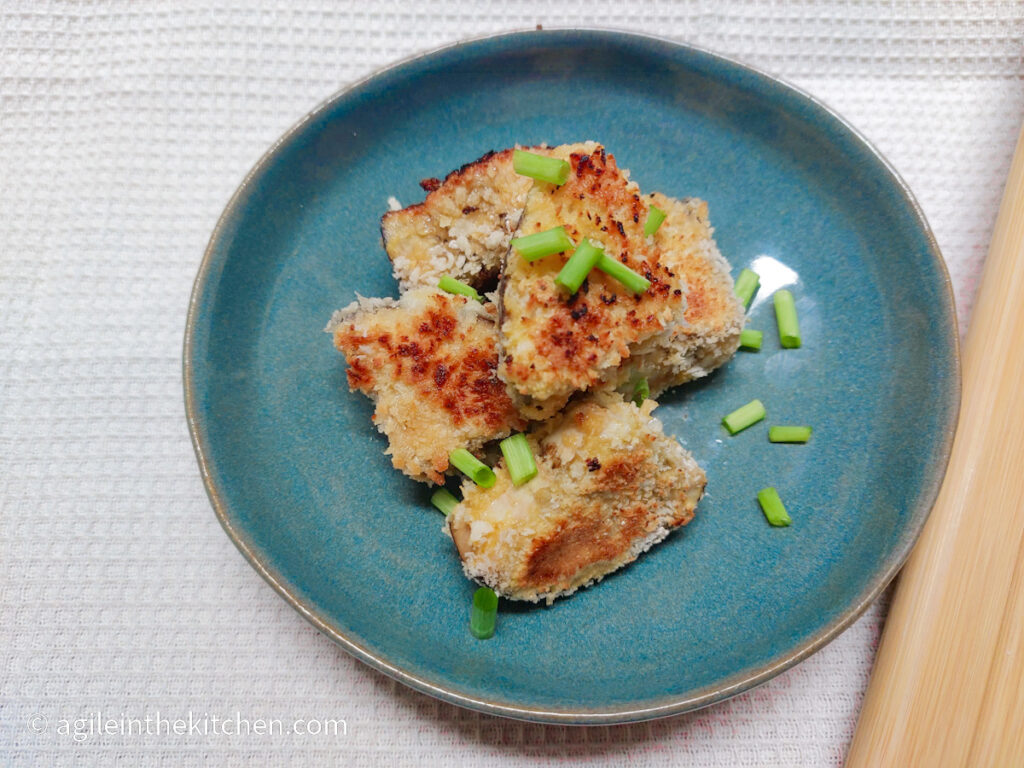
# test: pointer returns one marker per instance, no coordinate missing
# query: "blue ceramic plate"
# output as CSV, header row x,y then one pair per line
x,y
296,471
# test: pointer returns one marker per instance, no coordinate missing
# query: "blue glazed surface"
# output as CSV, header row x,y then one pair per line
x,y
296,470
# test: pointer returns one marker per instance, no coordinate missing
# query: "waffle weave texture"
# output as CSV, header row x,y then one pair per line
x,y
124,129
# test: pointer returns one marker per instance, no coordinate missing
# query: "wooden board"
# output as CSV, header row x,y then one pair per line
x,y
948,684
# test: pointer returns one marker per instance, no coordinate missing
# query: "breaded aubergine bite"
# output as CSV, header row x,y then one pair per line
x,y
707,334
553,344
428,361
609,486
463,227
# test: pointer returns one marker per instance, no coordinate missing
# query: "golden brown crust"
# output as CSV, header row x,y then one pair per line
x,y
609,485
707,334
579,542
468,175
553,343
430,363
710,302
435,360
462,228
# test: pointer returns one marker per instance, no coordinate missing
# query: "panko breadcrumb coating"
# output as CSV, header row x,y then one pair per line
x,y
462,229
609,486
553,344
428,361
707,334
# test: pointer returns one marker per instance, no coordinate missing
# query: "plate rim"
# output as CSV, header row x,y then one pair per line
x,y
628,713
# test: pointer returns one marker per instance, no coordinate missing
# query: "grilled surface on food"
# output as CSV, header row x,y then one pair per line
x,y
609,486
707,334
428,361
554,344
463,227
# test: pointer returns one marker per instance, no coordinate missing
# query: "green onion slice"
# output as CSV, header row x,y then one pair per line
x,y
451,285
751,339
541,244
540,167
744,416
471,466
616,269
443,499
518,458
773,508
576,269
785,316
484,613
641,392
746,286
789,434
654,219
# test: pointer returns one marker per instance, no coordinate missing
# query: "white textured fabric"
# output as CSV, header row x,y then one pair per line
x,y
124,128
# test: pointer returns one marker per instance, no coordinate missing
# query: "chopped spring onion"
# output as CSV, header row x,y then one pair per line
x,y
443,499
744,416
470,465
576,269
789,434
484,613
634,282
451,285
785,316
751,339
518,458
772,507
541,244
540,167
641,392
654,218
746,286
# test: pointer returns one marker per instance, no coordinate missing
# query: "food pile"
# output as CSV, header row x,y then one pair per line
x,y
545,304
